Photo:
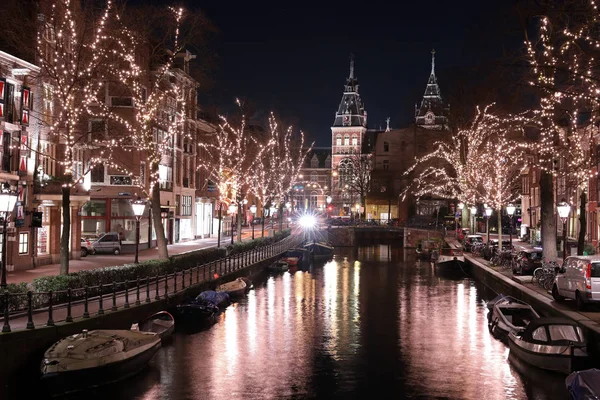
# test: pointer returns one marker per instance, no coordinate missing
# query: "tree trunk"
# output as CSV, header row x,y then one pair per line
x,y
161,241
582,223
280,217
239,222
263,223
500,229
220,224
548,218
66,230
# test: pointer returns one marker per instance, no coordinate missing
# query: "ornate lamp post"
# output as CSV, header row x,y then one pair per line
x,y
510,210
460,207
232,208
8,199
488,214
564,209
253,212
473,215
139,206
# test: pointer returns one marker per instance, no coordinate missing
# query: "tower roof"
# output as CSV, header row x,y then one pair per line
x,y
432,112
351,111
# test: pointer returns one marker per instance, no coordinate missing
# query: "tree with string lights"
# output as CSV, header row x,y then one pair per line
x,y
358,175
563,58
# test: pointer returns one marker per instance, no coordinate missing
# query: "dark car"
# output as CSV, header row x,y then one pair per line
x,y
470,240
529,260
492,247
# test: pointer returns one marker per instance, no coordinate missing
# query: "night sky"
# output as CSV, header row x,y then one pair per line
x,y
293,58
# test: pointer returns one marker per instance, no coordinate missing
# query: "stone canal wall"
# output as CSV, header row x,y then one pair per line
x,y
351,236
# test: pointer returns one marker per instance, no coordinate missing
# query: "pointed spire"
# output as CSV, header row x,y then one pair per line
x,y
351,66
432,61
387,129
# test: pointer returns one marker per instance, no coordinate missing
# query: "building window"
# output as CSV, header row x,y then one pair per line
x,y
354,141
97,130
346,140
314,162
23,243
338,140
386,164
97,174
186,206
386,146
165,176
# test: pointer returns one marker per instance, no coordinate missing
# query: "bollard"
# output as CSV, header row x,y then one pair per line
x,y
126,305
137,292
29,311
157,296
69,317
114,297
86,314
100,309
6,327
50,319
147,289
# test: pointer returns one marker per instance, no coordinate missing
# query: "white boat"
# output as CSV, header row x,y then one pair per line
x,y
93,358
554,344
162,323
279,266
508,314
234,288
450,258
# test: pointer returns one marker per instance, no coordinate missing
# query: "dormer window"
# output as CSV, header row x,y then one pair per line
x,y
429,118
314,162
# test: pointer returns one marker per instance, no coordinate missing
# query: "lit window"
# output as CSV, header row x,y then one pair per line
x,y
354,141
338,140
23,243
346,140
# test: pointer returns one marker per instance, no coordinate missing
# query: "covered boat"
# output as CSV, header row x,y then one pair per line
x,y
234,288
508,314
197,311
219,299
449,258
162,323
554,344
279,266
320,250
93,358
584,385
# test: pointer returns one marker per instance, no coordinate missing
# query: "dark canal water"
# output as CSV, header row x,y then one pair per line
x,y
373,322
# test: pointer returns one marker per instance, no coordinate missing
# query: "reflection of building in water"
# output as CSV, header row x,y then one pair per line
x,y
377,253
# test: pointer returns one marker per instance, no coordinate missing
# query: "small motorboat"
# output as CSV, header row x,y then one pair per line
x,y
234,288
584,385
508,314
162,323
291,261
299,257
554,344
320,250
93,358
279,266
219,299
448,258
197,311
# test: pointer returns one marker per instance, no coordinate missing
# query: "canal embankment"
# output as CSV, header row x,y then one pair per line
x,y
539,299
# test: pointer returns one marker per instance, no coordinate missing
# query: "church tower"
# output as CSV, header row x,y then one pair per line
x,y
347,134
432,114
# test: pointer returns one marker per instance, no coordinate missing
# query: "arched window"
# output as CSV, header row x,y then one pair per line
x,y
354,141
314,178
338,140
345,171
347,140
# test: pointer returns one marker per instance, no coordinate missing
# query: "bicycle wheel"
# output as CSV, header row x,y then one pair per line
x,y
537,274
548,282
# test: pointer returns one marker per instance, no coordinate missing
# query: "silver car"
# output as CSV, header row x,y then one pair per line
x,y
578,279
108,243
86,247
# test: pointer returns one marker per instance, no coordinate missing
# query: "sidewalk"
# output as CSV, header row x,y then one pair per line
x,y
109,260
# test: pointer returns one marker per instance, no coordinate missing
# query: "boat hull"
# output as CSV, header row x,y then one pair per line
x,y
163,327
77,380
560,360
450,261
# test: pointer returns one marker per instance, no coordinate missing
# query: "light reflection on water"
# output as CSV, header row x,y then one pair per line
x,y
375,322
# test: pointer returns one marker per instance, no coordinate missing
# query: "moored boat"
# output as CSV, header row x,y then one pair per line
x,y
162,323
234,288
554,344
584,385
508,314
320,250
279,266
219,299
449,258
93,358
197,311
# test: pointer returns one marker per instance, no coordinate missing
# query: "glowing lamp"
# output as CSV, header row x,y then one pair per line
x,y
510,209
253,209
488,212
564,209
307,221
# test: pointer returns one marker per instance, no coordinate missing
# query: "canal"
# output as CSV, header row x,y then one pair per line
x,y
373,322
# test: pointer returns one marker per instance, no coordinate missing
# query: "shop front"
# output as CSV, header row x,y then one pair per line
x,y
204,216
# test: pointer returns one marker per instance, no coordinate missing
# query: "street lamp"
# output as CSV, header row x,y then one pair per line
x,y
252,211
473,214
8,199
564,209
510,210
139,206
232,208
488,214
460,207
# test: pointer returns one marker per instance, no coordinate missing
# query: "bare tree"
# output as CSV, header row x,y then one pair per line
x,y
359,179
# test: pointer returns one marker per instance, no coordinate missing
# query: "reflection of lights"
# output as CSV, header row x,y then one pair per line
x,y
231,339
460,310
252,330
330,271
356,279
287,283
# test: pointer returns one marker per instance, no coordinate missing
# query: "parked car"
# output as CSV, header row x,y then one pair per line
x,y
529,260
492,247
86,247
578,279
470,240
108,243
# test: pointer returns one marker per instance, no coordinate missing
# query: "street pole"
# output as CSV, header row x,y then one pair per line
x,y
3,283
232,222
219,229
564,221
137,238
487,228
510,233
252,226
